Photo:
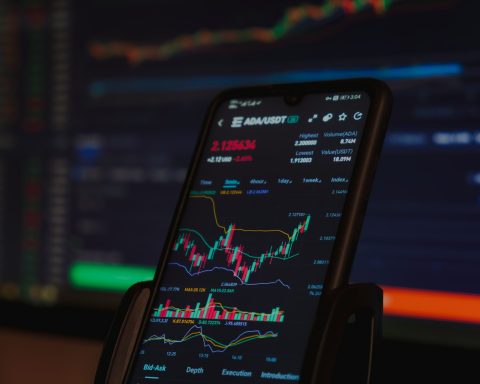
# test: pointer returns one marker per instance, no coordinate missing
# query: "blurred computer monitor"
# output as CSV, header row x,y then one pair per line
x,y
101,102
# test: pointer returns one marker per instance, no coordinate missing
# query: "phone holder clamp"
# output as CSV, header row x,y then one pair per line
x,y
349,330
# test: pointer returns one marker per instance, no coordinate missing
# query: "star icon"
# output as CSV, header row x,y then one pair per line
x,y
342,117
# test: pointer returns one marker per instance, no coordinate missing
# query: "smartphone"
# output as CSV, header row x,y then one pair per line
x,y
267,222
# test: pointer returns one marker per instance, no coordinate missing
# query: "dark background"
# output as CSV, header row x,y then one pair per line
x,y
95,139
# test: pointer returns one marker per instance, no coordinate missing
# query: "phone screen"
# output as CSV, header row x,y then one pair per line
x,y
246,266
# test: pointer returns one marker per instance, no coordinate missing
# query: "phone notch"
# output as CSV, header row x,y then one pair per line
x,y
293,98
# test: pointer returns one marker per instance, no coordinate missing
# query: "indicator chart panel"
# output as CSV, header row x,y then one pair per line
x,y
246,265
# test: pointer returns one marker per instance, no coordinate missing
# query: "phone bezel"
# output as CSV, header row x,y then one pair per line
x,y
355,203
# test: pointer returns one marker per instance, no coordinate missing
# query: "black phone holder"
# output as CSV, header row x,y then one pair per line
x,y
350,332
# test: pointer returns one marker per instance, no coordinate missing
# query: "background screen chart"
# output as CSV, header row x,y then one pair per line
x,y
94,148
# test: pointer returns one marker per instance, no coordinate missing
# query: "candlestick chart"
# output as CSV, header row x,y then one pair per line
x,y
291,19
200,255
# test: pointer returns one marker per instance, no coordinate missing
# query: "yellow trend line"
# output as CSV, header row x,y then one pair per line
x,y
224,229
210,340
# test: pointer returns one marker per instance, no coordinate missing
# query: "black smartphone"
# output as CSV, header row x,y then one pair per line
x,y
268,220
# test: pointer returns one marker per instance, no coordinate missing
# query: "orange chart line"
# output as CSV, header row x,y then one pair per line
x,y
433,305
224,228
292,17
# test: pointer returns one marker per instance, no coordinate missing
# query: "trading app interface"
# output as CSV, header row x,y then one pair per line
x,y
247,263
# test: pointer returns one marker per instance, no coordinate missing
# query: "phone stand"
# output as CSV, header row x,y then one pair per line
x,y
350,333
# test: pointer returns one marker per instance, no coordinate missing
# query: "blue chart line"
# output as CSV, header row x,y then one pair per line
x,y
103,88
194,274
209,342
291,256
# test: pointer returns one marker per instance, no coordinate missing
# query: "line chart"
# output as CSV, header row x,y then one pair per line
x,y
211,343
292,17
184,240
225,229
232,271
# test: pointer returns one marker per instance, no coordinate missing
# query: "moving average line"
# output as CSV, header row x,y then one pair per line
x,y
230,249
193,274
211,343
244,264
224,228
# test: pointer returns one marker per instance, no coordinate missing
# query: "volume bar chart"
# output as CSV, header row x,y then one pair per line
x,y
213,310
